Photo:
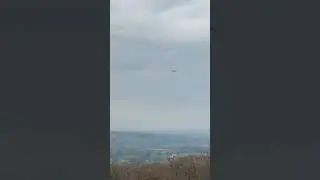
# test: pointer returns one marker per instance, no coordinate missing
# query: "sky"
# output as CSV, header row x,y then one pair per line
x,y
149,38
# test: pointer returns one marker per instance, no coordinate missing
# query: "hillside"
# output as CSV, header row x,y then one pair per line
x,y
184,168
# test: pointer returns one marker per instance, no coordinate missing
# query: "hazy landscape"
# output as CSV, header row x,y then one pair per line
x,y
160,155
150,147
160,80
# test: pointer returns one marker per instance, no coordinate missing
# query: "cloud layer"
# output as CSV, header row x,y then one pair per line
x,y
162,21
157,117
149,38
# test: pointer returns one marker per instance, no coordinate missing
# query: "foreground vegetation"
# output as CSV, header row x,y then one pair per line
x,y
184,168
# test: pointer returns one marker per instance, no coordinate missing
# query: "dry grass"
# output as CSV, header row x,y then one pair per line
x,y
185,168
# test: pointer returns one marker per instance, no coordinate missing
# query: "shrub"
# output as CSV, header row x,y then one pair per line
x,y
184,168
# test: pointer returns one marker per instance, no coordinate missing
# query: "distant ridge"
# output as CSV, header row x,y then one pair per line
x,y
197,131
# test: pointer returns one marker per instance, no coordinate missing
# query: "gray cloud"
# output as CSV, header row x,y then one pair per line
x,y
161,21
145,94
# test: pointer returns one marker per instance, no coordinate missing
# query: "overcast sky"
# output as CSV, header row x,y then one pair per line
x,y
149,38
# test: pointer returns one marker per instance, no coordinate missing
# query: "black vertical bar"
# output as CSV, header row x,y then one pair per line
x,y
54,95
266,90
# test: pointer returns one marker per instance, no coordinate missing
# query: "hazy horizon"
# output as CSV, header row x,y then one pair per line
x,y
164,131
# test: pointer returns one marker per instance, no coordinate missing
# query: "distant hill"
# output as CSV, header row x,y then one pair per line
x,y
151,147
